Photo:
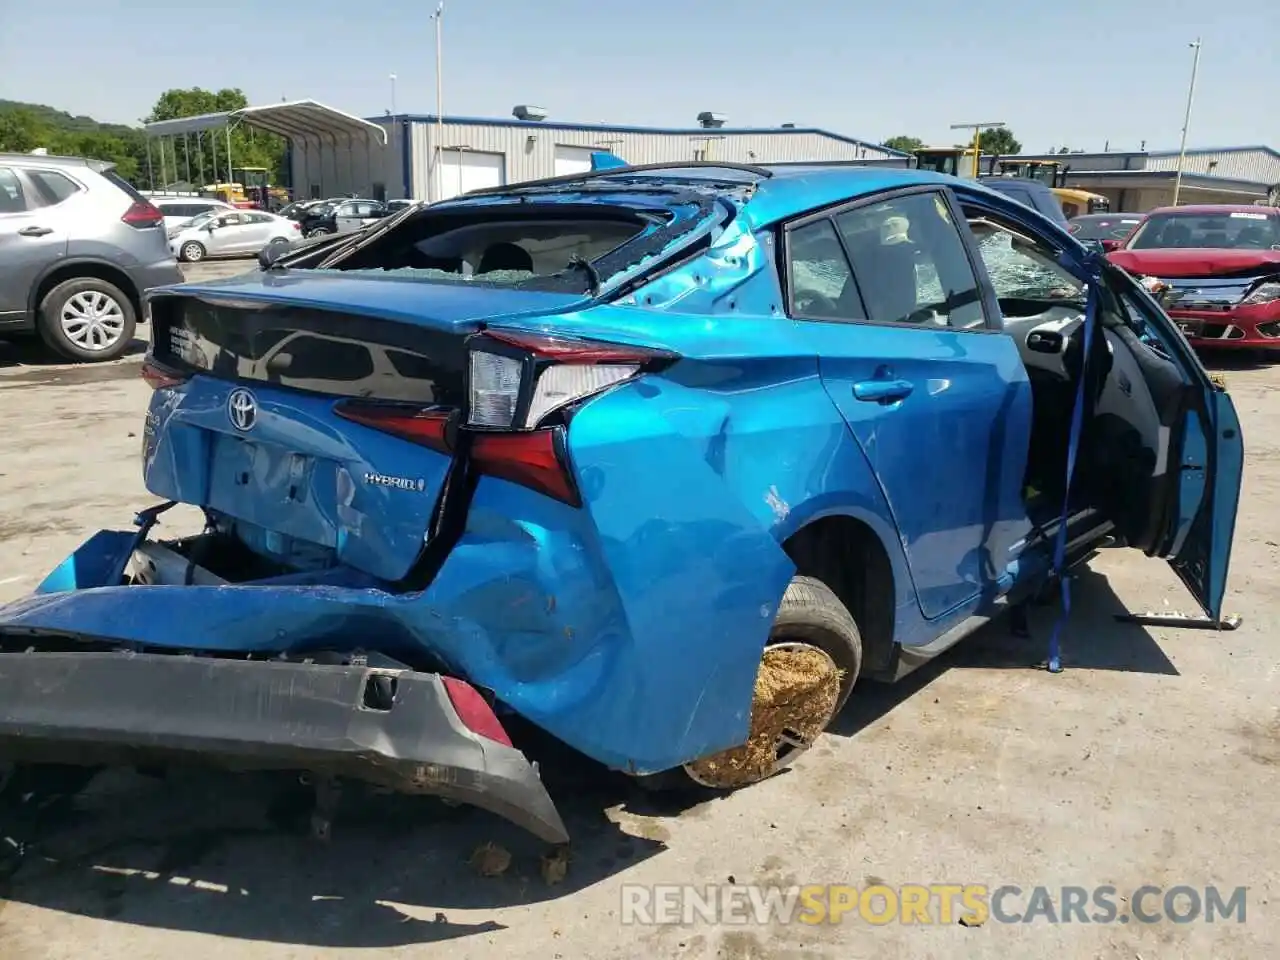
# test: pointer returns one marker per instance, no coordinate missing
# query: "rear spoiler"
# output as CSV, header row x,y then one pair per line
x,y
604,160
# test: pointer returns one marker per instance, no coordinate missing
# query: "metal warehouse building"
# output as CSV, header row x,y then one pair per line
x,y
432,158
1138,182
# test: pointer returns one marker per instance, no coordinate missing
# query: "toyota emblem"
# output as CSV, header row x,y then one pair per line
x,y
242,409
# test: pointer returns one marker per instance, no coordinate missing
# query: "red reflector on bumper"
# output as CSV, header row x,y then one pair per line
x,y
476,715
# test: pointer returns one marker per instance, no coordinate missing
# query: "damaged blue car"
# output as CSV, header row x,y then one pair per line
x,y
586,450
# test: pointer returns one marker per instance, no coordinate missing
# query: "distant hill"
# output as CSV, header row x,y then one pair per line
x,y
61,120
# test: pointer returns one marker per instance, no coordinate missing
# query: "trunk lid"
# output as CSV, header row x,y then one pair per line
x,y
1193,262
252,432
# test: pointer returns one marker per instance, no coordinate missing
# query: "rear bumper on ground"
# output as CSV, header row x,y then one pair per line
x,y
126,708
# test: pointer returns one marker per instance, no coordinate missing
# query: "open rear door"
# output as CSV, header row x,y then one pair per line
x,y
1192,512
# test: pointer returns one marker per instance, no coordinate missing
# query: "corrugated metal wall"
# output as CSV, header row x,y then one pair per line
x,y
1258,166
530,149
336,166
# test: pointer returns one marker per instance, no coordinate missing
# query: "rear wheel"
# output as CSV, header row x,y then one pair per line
x,y
87,319
810,663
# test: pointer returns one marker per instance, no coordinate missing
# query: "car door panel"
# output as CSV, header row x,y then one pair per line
x,y
31,238
942,414
1173,494
1192,525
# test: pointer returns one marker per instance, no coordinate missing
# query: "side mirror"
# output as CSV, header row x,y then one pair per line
x,y
1109,245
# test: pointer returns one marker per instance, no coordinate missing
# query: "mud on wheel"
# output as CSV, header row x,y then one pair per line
x,y
807,671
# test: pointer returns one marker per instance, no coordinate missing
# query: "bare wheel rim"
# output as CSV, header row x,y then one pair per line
x,y
92,320
789,742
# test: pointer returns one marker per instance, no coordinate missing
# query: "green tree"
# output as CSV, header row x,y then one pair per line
x,y
20,131
904,143
999,140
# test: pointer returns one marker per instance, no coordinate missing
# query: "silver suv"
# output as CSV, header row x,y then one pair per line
x,y
78,246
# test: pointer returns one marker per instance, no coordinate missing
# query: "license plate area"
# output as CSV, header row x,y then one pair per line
x,y
275,488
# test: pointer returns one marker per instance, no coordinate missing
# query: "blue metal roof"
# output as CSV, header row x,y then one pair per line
x,y
613,128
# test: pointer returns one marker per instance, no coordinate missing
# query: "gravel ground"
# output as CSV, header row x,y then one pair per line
x,y
1153,759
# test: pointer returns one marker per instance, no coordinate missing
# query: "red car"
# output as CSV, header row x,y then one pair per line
x,y
1221,264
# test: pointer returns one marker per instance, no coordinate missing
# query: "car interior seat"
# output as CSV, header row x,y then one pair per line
x,y
505,256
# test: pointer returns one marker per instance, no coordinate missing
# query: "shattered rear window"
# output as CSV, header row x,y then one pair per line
x,y
560,243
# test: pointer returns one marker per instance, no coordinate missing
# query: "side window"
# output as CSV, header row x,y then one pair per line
x,y
52,187
1020,268
257,218
911,264
821,281
12,198
230,220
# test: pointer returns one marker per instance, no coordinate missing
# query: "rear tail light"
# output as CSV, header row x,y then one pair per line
x,y
518,381
160,377
142,214
426,426
535,459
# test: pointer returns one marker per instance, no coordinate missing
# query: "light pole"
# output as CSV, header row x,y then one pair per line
x,y
393,94
977,129
1186,120
438,17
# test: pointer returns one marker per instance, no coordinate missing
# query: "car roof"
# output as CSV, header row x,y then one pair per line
x,y
44,160
780,192
1212,208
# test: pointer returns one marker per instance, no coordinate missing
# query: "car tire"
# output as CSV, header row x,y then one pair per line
x,y
192,252
319,232
87,319
810,614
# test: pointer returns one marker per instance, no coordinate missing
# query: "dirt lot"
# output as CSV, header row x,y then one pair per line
x,y
1155,759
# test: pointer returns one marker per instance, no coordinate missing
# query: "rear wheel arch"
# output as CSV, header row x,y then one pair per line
x,y
82,269
848,556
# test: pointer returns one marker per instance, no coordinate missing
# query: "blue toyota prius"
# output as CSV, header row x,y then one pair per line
x,y
586,451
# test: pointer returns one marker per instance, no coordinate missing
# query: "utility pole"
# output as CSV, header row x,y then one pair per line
x,y
977,129
438,16
393,94
1186,120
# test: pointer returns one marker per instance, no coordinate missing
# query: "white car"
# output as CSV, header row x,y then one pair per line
x,y
238,233
178,210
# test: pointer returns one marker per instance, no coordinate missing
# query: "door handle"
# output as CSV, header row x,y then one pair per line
x,y
34,231
882,391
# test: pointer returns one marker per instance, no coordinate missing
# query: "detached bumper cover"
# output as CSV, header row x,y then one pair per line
x,y
119,708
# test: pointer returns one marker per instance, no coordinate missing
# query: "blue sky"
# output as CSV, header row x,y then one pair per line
x,y
1078,73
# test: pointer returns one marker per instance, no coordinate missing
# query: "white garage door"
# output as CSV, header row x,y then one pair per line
x,y
571,160
466,170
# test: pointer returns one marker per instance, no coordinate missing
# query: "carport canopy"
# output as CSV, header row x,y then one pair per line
x,y
293,120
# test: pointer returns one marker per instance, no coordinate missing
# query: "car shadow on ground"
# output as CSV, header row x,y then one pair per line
x,y
203,852
1091,638
47,366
